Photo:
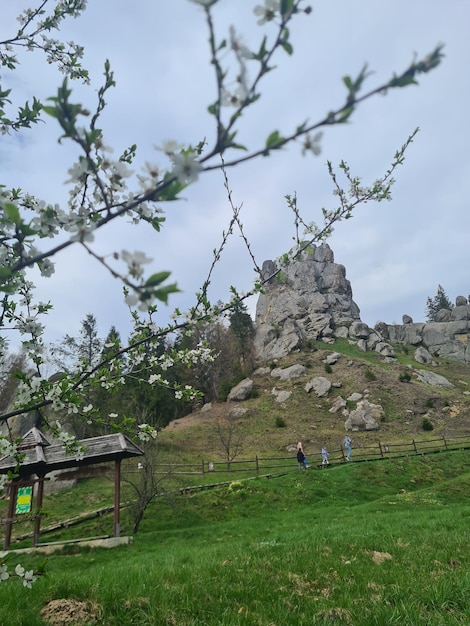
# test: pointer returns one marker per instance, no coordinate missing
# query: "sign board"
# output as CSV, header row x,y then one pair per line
x,y
23,500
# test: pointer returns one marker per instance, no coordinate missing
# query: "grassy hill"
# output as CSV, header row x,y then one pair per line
x,y
358,544
373,543
307,418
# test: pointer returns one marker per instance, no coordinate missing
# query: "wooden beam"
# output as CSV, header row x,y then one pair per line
x,y
117,498
10,516
37,521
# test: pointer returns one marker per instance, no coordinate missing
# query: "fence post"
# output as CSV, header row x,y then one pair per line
x,y
257,464
381,451
445,443
414,446
203,467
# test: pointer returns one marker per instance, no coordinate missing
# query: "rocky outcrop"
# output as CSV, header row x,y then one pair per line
x,y
448,337
306,298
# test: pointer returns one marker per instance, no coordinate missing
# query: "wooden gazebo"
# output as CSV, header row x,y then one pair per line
x,y
42,456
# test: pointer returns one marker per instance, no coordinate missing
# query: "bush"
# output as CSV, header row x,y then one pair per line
x,y
427,425
328,368
310,344
404,377
370,375
280,422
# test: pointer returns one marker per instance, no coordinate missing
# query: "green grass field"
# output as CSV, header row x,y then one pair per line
x,y
373,543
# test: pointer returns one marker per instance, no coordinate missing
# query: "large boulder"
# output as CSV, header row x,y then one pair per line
x,y
288,373
436,380
319,385
242,391
365,416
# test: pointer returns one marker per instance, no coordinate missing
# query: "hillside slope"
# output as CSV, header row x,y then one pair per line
x,y
270,427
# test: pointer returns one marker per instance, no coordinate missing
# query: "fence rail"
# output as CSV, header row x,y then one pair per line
x,y
378,451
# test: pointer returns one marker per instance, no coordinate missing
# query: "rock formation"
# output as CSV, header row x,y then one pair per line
x,y
307,298
448,337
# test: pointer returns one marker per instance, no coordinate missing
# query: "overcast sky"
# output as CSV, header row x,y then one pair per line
x,y
395,253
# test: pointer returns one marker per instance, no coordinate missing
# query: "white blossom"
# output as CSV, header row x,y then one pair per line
x,y
29,578
4,575
234,98
312,144
77,171
82,232
238,46
186,168
170,148
46,267
134,262
120,169
131,299
268,12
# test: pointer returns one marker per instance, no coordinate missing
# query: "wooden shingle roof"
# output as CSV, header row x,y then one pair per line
x,y
42,456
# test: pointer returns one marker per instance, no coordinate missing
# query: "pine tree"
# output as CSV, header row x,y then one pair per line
x,y
440,301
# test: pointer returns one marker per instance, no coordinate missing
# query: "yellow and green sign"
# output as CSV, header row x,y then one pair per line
x,y
23,500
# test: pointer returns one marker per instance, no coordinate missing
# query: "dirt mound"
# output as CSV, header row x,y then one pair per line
x,y
71,613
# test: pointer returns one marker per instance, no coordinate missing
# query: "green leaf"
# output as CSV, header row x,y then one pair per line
x,y
12,212
171,191
163,293
273,139
403,81
348,82
157,279
344,115
287,47
262,51
286,7
156,223
238,146
52,111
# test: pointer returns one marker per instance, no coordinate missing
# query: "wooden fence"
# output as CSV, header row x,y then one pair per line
x,y
263,465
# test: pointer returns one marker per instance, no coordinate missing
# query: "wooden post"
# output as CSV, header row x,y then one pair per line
x,y
37,521
10,514
117,499
257,464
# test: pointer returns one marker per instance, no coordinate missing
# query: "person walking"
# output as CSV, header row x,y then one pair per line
x,y
301,458
324,456
348,445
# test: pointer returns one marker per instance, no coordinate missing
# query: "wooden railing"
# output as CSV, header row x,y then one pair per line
x,y
263,465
